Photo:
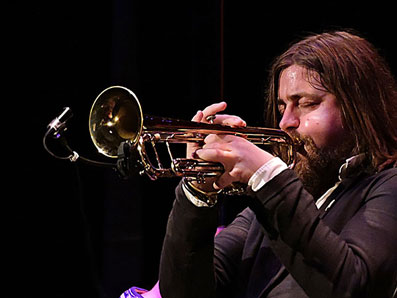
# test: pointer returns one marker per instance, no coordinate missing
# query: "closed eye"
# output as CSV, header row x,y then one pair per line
x,y
308,103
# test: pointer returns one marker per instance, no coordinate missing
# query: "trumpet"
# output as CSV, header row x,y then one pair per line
x,y
119,128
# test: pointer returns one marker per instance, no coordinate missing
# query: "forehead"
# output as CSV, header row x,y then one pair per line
x,y
296,79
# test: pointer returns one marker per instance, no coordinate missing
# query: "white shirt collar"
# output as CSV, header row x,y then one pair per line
x,y
344,171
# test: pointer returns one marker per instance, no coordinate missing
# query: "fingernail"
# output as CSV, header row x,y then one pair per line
x,y
194,154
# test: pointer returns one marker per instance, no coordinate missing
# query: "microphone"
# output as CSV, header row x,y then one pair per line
x,y
58,125
56,128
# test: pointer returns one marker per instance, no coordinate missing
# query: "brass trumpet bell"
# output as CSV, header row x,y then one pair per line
x,y
115,117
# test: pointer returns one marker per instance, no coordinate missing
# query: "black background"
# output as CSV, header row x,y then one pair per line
x,y
72,230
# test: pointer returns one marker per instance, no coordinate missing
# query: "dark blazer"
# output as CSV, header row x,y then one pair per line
x,y
283,246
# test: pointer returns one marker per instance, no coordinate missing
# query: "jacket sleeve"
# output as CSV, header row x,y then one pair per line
x,y
360,261
191,265
186,264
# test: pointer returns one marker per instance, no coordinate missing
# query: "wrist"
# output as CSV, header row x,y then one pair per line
x,y
200,197
266,172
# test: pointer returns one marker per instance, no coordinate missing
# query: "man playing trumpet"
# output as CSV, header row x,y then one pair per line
x,y
327,227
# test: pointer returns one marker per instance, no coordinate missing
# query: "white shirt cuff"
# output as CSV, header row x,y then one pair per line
x,y
266,172
192,198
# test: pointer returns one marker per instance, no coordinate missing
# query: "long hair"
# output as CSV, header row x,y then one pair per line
x,y
350,68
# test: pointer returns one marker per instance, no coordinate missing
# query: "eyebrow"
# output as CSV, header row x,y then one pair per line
x,y
297,96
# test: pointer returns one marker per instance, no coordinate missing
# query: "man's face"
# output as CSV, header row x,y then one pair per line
x,y
313,115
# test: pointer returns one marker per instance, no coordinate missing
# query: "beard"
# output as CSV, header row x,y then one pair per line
x,y
318,168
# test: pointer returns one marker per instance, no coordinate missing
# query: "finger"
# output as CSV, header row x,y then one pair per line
x,y
216,155
191,150
214,108
221,138
212,138
211,154
229,120
198,117
192,147
236,174
216,145
223,181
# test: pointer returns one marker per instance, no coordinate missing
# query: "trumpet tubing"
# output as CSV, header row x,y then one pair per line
x,y
116,118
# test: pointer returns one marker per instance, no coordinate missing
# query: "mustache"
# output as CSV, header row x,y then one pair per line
x,y
301,140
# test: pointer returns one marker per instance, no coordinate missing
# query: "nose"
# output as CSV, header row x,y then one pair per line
x,y
289,120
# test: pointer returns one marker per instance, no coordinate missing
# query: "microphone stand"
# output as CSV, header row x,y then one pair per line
x,y
124,166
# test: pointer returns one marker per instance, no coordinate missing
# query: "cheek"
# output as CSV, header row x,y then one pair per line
x,y
325,130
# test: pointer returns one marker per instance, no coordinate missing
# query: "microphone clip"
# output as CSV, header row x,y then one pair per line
x,y
57,126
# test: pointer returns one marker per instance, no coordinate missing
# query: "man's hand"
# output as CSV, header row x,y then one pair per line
x,y
224,119
201,116
240,158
